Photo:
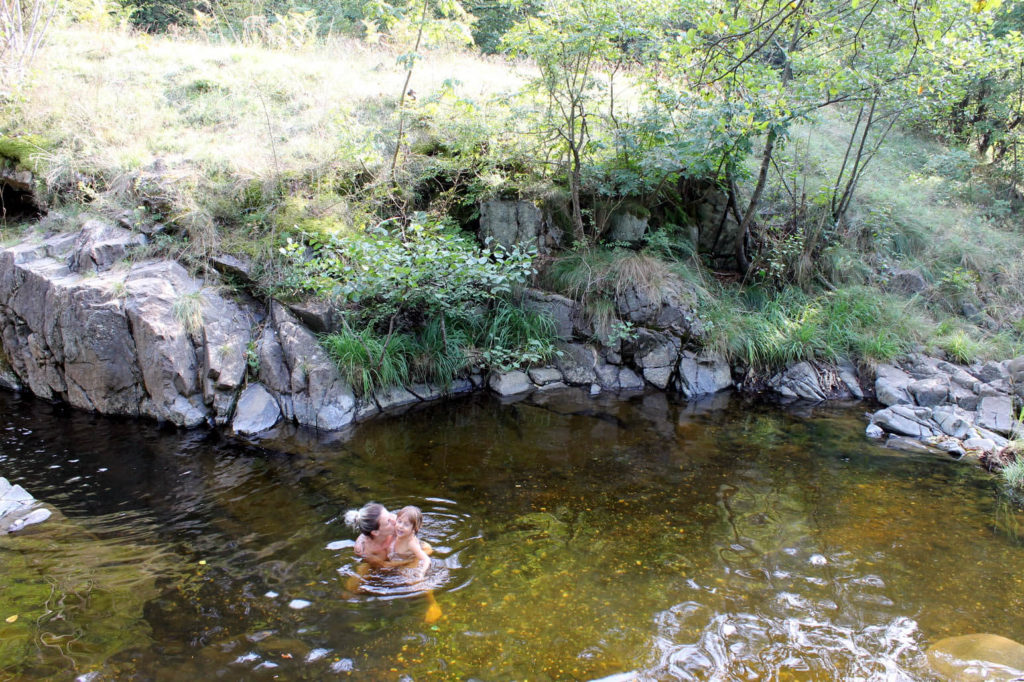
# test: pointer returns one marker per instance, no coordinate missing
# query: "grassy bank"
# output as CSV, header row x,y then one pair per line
x,y
238,148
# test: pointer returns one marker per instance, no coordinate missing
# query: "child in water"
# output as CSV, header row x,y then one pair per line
x,y
407,548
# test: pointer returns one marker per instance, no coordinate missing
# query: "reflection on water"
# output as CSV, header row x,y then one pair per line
x,y
574,538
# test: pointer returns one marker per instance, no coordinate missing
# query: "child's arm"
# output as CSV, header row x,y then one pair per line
x,y
422,560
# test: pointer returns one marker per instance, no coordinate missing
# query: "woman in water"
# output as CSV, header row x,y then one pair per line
x,y
376,528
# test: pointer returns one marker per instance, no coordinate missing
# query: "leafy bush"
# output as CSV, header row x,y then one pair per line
x,y
426,269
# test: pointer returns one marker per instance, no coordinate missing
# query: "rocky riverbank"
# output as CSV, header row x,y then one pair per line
x,y
85,321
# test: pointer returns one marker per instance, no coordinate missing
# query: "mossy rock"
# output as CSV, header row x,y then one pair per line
x,y
19,149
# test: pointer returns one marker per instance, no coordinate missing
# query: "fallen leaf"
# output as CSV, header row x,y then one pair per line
x,y
11,619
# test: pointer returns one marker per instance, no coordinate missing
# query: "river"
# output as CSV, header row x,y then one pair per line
x,y
575,538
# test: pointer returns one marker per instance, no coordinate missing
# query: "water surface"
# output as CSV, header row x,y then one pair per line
x,y
575,537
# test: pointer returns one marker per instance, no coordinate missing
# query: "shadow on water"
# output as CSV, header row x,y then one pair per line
x,y
574,538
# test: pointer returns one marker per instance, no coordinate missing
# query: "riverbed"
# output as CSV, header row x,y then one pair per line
x,y
574,537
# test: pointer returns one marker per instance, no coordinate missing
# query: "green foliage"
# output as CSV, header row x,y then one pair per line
x,y
425,269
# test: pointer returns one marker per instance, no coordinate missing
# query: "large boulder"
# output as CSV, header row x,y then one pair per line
x,y
257,410
99,245
510,383
907,420
702,374
800,381
226,335
166,354
891,386
626,227
995,413
577,363
510,223
320,396
562,311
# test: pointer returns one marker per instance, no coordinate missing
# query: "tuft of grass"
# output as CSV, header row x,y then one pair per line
x,y
369,361
188,310
1013,473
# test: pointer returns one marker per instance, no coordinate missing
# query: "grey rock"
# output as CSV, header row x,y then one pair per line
x,y
903,281
166,354
426,392
460,386
366,407
553,386
655,349
393,397
321,397
629,381
234,267
607,376
510,383
995,413
962,396
595,389
799,381
226,334
990,372
562,311
906,420
257,410
509,223
929,392
626,227
874,431
703,374
659,376
577,363
950,446
981,432
909,445
994,389
544,375
847,373
953,421
891,386
921,366
983,445
19,522
317,314
99,245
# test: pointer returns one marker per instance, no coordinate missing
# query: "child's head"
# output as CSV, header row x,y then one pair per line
x,y
411,516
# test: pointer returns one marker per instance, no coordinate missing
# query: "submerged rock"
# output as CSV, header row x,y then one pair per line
x,y
977,657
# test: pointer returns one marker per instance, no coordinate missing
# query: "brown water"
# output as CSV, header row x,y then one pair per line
x,y
575,538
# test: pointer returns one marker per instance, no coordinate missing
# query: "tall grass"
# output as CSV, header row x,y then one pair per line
x,y
370,361
440,351
769,331
1013,473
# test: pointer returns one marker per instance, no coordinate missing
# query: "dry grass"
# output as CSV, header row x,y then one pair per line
x,y
197,123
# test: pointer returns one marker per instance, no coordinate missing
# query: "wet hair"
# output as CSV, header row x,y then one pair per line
x,y
414,515
365,520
